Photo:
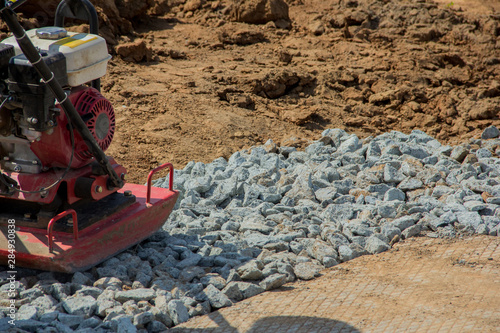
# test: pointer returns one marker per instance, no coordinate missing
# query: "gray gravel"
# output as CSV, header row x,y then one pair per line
x,y
271,215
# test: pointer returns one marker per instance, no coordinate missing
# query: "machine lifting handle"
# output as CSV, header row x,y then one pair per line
x,y
57,218
82,10
78,9
150,179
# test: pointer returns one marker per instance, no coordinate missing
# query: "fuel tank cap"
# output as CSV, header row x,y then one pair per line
x,y
51,33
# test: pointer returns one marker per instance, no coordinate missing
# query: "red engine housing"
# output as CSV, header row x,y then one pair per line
x,y
54,146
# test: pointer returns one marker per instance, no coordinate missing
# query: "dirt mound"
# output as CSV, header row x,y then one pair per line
x,y
215,85
116,17
259,11
197,84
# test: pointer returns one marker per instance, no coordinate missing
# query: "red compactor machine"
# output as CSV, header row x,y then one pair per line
x,y
64,204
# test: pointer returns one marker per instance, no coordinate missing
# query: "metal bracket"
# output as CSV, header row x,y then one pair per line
x,y
57,218
150,179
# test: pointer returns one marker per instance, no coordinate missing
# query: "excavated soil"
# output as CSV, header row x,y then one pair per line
x,y
193,81
213,86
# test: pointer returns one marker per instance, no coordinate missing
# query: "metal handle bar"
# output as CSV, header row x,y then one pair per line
x,y
150,176
57,218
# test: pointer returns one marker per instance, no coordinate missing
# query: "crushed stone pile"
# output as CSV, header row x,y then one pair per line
x,y
271,215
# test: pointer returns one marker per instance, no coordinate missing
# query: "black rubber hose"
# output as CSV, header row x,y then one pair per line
x,y
36,60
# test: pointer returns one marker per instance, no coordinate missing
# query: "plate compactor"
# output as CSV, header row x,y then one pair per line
x,y
64,204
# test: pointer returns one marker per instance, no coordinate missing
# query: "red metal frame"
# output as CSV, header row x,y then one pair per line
x,y
150,179
80,250
57,218
33,182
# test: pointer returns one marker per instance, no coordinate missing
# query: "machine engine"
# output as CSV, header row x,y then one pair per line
x,y
35,134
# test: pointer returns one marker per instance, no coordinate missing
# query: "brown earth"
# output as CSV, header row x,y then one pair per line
x,y
190,81
214,86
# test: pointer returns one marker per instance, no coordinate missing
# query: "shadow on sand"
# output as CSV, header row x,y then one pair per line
x,y
275,324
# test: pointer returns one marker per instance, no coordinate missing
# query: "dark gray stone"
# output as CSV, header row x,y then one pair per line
x,y
216,298
490,133
124,324
91,323
177,311
156,326
72,321
143,318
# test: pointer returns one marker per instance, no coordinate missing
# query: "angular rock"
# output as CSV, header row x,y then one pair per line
x,y
216,298
394,194
302,188
156,326
72,321
29,325
391,231
474,206
137,295
350,145
107,282
412,231
392,175
306,270
251,270
178,311
81,278
490,133
143,318
214,279
241,290
80,305
376,245
319,249
472,219
27,312
273,281
405,222
124,324
459,153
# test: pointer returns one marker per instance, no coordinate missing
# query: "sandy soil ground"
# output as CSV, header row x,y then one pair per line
x,y
421,285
